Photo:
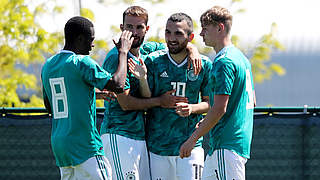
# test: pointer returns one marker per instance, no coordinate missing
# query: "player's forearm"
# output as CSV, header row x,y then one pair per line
x,y
116,83
144,88
200,108
133,103
211,119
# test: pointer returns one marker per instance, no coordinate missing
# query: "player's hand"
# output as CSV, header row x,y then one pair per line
x,y
106,95
183,109
194,58
168,100
125,41
186,147
139,71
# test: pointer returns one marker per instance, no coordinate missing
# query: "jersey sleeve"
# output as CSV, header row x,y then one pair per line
x,y
206,87
150,47
224,74
92,73
111,63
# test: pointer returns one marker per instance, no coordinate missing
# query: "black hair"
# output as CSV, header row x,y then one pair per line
x,y
178,17
76,26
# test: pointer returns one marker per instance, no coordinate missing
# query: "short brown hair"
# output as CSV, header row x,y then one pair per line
x,y
216,15
136,11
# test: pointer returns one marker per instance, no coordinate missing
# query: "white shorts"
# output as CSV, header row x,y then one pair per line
x,y
175,168
224,164
95,168
128,157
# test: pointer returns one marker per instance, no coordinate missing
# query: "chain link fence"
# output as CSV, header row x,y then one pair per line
x,y
284,146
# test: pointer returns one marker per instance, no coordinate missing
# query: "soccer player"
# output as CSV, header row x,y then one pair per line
x,y
69,79
168,128
230,120
123,127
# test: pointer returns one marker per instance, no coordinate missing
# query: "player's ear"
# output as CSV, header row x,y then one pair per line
x,y
121,27
221,27
147,28
191,36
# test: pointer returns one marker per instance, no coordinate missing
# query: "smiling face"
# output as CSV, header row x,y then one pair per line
x,y
136,25
176,36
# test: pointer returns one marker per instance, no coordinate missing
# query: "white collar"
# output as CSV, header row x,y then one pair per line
x,y
66,51
174,62
223,50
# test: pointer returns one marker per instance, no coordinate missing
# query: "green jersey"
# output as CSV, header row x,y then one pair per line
x,y
166,129
117,121
232,76
68,83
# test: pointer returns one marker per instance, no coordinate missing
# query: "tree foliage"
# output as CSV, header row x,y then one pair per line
x,y
261,68
110,2
23,41
259,53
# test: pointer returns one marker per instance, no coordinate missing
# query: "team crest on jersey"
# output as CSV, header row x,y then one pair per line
x,y
130,175
192,76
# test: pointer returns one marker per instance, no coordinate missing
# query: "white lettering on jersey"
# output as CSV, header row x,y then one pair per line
x,y
180,88
59,98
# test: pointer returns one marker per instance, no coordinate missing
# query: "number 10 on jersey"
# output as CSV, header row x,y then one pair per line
x,y
180,88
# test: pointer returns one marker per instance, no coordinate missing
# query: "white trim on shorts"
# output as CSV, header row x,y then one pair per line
x,y
224,164
175,168
95,168
128,157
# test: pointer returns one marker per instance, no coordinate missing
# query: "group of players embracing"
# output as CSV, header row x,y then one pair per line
x,y
153,124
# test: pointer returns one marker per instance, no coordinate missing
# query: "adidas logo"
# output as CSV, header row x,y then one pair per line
x,y
164,74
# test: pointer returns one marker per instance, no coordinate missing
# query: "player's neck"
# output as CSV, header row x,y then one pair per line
x,y
135,51
179,57
71,48
224,43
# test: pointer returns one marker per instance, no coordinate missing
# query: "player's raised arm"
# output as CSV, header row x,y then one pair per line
x,y
214,115
140,72
185,109
194,58
116,83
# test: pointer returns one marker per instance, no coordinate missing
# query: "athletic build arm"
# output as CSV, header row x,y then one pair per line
x,y
140,72
166,100
185,110
214,115
194,58
116,83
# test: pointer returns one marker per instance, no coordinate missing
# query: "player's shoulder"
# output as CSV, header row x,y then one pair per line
x,y
156,56
112,54
111,58
158,53
150,47
205,59
83,58
80,61
230,53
